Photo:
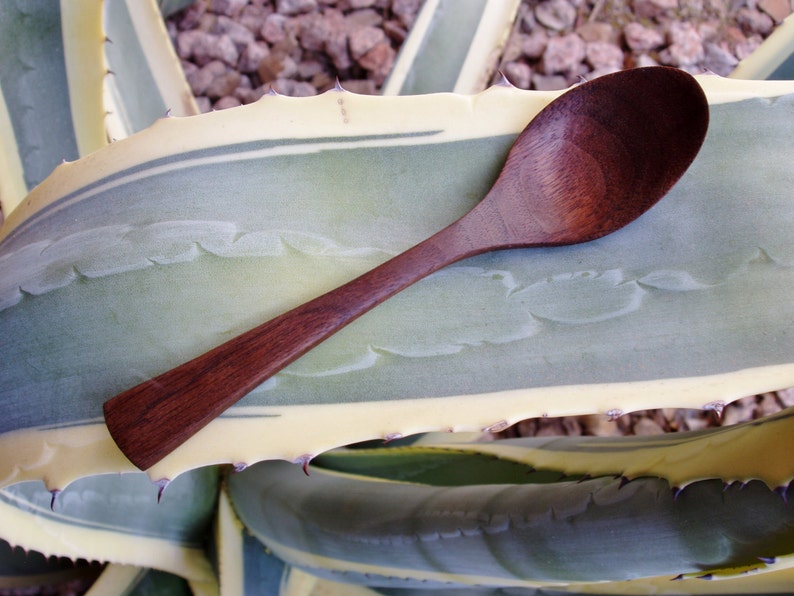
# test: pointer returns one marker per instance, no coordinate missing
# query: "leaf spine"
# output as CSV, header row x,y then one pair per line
x,y
161,486
54,496
304,461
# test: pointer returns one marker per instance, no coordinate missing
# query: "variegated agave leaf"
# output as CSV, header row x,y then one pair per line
x,y
51,71
118,519
72,75
142,255
452,46
733,454
385,532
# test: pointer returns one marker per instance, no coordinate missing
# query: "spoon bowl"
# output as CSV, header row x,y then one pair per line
x,y
591,162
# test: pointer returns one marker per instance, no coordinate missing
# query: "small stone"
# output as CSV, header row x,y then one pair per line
x,y
313,31
201,79
322,81
754,21
188,68
512,50
405,11
252,17
294,7
596,31
357,4
600,426
786,396
336,39
245,83
559,15
697,422
646,9
360,86
550,427
686,47
276,65
308,69
777,9
747,47
519,74
303,89
719,60
378,61
739,411
647,426
534,44
186,41
642,39
395,31
604,55
526,18
709,31
224,84
209,47
734,36
364,39
240,35
230,8
293,88
768,405
564,54
665,4
247,96
207,22
274,29
543,82
645,60
191,16
363,18
252,56
226,102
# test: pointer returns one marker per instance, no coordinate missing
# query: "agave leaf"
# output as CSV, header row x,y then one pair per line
x,y
26,570
454,45
51,71
774,58
737,453
520,535
745,582
141,57
137,581
244,565
53,66
209,225
118,519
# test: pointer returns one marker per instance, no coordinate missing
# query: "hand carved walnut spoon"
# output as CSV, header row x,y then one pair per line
x,y
591,162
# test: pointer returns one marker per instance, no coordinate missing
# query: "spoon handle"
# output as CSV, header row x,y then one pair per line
x,y
152,419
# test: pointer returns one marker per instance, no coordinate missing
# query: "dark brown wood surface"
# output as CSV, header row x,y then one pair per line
x,y
591,162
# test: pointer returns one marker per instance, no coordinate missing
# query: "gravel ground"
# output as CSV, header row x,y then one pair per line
x,y
234,51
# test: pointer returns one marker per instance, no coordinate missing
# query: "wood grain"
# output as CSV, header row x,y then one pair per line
x,y
591,162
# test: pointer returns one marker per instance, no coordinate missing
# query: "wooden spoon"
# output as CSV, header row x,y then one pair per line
x,y
592,161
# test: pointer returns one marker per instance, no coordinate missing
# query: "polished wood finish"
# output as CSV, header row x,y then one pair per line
x,y
591,162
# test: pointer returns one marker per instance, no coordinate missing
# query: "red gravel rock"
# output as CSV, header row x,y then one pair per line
x,y
642,39
686,45
564,54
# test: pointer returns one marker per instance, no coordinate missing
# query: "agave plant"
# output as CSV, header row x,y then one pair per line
x,y
133,256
